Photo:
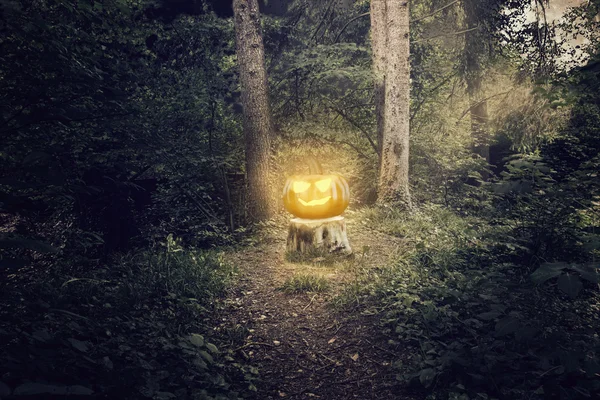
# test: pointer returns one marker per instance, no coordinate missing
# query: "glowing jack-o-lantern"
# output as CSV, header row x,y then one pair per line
x,y
316,195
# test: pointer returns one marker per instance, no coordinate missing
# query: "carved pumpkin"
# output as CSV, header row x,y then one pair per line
x,y
316,195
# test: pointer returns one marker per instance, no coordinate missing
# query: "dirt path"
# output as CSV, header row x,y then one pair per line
x,y
304,347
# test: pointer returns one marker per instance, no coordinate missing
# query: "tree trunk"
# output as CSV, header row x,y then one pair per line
x,y
473,51
393,176
255,101
311,236
378,42
479,118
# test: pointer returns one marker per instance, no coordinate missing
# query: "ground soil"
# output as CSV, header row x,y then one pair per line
x,y
307,345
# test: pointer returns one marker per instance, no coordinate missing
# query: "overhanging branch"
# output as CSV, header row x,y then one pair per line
x,y
481,102
436,11
446,34
342,114
348,23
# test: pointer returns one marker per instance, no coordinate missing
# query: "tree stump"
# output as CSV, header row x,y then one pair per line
x,y
308,235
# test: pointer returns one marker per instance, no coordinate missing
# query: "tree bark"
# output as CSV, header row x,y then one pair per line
x,y
473,51
393,175
378,43
257,122
318,235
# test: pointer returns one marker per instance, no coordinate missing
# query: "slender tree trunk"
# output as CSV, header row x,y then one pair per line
x,y
479,118
474,49
255,101
378,43
393,176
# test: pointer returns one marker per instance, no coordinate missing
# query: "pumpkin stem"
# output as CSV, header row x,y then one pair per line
x,y
314,166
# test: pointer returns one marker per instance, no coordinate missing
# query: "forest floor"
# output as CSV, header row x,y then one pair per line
x,y
310,345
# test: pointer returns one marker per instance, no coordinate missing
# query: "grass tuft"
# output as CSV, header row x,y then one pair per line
x,y
303,283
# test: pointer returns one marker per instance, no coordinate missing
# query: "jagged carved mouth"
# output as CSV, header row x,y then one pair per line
x,y
311,203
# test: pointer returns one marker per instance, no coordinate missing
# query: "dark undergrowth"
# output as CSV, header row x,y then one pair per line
x,y
479,322
137,326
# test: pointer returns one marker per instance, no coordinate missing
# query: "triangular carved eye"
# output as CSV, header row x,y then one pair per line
x,y
300,187
323,185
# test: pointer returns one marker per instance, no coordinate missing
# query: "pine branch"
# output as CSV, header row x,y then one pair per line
x,y
348,23
353,123
436,11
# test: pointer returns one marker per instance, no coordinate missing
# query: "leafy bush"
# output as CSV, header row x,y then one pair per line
x,y
569,275
135,328
474,323
118,127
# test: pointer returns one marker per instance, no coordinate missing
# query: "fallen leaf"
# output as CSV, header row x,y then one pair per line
x,y
206,356
200,363
79,345
196,340
331,340
212,348
354,357
42,336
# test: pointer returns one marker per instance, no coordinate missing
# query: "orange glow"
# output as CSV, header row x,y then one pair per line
x,y
300,187
323,185
315,202
316,196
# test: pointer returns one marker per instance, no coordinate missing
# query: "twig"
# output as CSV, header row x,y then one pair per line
x,y
430,92
327,358
338,329
384,350
445,34
343,346
309,303
354,123
436,11
351,380
480,102
72,314
305,390
353,147
314,35
197,203
325,366
348,23
253,344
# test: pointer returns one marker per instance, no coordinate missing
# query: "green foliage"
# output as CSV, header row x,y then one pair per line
x,y
423,228
106,112
473,323
196,275
301,283
134,328
120,129
321,88
569,275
